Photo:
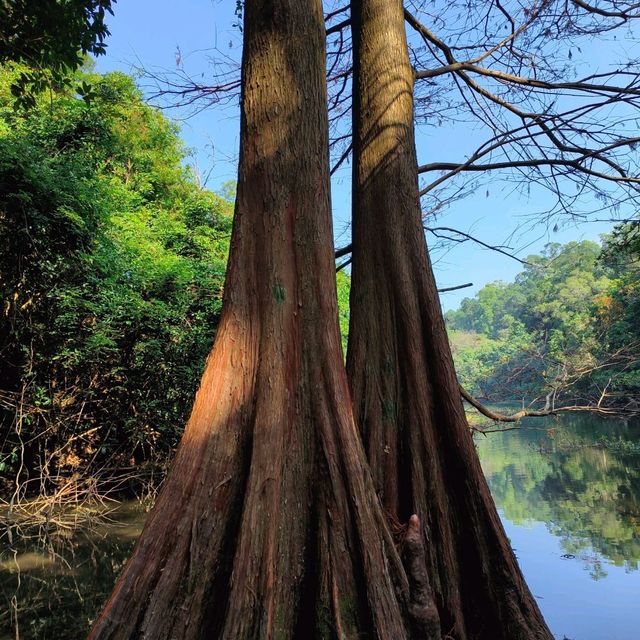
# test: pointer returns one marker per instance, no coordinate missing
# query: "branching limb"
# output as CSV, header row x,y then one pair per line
x,y
436,232
458,286
530,413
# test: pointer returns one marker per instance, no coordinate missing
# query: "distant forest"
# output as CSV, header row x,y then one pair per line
x,y
566,331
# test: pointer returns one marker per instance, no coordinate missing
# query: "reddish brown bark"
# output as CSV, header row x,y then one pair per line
x,y
268,525
401,373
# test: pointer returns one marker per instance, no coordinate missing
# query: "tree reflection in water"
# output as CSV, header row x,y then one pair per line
x,y
578,474
52,584
554,472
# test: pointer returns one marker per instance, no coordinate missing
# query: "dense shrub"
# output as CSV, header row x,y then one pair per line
x,y
112,261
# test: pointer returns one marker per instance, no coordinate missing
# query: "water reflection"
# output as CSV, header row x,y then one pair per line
x,y
560,473
571,509
53,583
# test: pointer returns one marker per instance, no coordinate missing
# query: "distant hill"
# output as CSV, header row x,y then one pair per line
x,y
567,328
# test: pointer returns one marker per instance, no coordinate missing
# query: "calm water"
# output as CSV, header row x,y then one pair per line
x,y
572,513
53,583
571,509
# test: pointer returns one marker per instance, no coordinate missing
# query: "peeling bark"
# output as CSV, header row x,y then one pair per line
x,y
405,393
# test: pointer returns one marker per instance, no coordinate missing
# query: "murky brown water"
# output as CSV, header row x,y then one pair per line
x,y
53,582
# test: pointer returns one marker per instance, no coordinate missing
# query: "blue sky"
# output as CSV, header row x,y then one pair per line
x,y
150,33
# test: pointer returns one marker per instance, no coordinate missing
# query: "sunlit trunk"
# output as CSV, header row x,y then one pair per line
x,y
268,525
401,374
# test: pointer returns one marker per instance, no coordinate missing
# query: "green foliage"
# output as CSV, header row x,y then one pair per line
x,y
51,38
344,288
112,263
567,327
619,311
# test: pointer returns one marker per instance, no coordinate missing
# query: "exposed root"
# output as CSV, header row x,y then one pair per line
x,y
422,609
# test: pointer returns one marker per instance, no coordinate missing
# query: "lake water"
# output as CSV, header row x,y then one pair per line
x,y
571,508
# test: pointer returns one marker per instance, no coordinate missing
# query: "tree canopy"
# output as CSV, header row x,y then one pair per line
x,y
568,326
50,38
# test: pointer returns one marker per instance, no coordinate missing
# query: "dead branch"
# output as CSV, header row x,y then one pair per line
x,y
459,286
530,413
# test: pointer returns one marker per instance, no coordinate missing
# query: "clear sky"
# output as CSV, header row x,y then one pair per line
x,y
165,35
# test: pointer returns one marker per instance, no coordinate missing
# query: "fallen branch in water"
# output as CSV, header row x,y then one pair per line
x,y
531,413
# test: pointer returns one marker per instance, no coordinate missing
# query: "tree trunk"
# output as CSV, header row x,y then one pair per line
x,y
268,525
404,388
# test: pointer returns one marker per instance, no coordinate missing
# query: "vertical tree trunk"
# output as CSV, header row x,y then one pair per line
x,y
400,369
268,525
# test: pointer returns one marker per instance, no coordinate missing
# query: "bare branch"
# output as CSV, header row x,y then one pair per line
x,y
338,27
459,286
624,15
499,249
529,413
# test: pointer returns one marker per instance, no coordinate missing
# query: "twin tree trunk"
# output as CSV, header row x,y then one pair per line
x,y
404,388
269,524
